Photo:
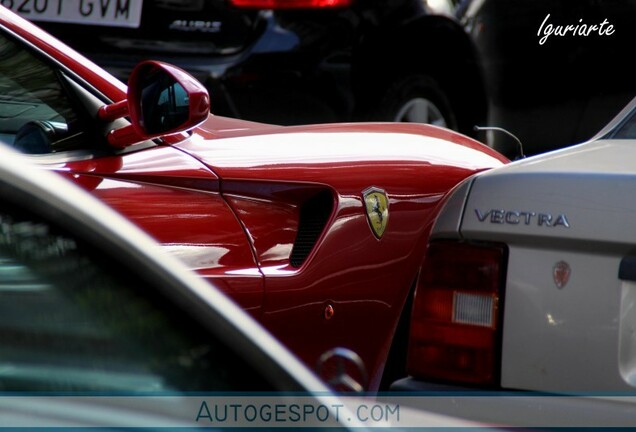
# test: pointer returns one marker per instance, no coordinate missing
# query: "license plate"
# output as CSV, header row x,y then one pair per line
x,y
113,13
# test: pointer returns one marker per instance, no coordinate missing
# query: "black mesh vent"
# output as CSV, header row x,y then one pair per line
x,y
314,214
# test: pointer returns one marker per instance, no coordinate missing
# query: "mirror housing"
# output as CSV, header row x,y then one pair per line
x,y
162,99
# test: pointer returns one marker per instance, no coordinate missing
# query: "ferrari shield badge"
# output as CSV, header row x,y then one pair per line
x,y
561,274
377,209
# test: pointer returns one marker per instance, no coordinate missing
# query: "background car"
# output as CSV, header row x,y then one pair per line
x,y
528,285
317,231
560,92
290,62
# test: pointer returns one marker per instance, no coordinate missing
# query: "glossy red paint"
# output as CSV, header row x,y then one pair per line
x,y
232,198
366,280
177,201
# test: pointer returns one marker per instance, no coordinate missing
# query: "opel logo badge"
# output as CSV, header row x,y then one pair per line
x,y
561,273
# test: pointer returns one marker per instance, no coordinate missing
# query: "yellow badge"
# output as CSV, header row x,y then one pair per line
x,y
377,206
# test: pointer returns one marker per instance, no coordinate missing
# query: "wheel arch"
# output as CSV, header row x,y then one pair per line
x,y
442,50
395,366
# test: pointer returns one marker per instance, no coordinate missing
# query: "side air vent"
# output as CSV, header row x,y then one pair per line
x,y
314,214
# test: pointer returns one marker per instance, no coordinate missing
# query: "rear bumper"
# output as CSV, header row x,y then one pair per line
x,y
518,409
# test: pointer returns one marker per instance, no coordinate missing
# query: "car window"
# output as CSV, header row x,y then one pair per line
x,y
74,319
36,114
627,130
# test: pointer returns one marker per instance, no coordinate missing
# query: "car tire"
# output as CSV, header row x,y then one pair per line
x,y
417,99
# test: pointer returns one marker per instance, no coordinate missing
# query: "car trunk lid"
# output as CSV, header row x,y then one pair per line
x,y
567,219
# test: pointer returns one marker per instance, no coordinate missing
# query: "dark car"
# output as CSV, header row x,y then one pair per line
x,y
290,61
549,84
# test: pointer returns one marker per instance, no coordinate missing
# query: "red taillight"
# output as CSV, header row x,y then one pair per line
x,y
291,4
454,326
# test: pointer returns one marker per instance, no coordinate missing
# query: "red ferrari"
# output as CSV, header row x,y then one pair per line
x,y
318,231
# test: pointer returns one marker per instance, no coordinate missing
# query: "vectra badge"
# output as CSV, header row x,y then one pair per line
x,y
513,217
377,209
561,273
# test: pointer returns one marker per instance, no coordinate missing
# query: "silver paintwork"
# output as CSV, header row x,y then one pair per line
x,y
577,338
548,332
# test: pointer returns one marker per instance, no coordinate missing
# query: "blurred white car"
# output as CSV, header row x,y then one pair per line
x,y
530,284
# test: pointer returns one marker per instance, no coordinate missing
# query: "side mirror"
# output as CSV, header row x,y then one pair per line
x,y
162,100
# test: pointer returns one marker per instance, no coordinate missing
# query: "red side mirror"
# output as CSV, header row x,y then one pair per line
x,y
162,100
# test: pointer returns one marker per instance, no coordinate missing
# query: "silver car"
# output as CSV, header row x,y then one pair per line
x,y
530,285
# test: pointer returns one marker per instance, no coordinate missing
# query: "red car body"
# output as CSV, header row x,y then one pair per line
x,y
275,216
